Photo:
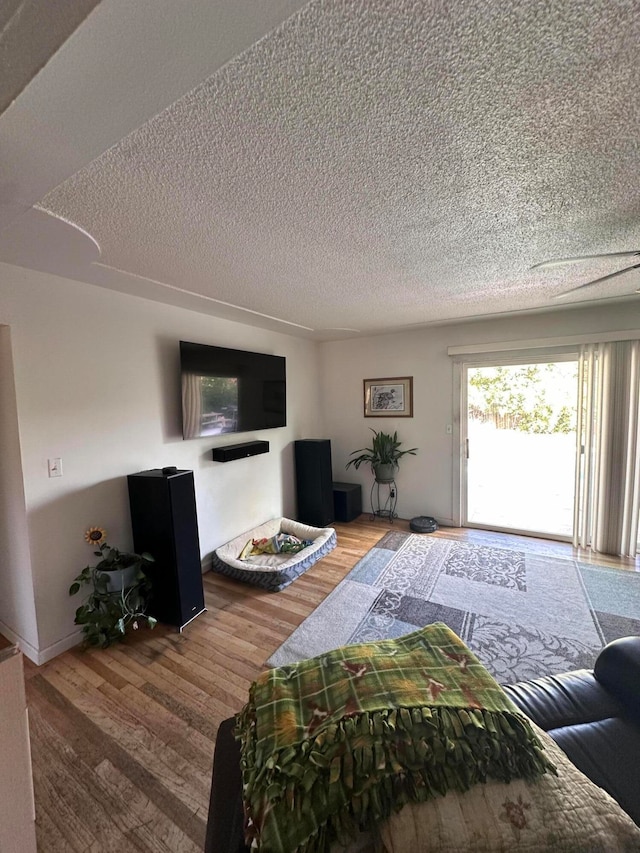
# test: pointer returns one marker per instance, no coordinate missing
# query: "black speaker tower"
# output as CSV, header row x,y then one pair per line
x,y
164,523
314,481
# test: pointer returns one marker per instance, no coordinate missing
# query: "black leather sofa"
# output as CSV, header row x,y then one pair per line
x,y
594,716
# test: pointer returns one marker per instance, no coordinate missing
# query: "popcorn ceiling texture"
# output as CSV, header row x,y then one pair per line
x,y
373,164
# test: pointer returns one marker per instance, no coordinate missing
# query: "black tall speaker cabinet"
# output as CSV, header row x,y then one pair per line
x,y
164,523
314,481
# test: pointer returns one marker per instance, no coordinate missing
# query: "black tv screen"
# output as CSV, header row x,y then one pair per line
x,y
229,390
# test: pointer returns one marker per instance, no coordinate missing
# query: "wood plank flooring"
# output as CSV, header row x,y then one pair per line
x,y
122,739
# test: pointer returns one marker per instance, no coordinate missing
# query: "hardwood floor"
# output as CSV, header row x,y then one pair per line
x,y
122,739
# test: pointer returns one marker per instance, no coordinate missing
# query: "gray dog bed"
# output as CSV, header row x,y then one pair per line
x,y
273,571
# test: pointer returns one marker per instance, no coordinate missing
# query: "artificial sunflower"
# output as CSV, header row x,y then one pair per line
x,y
95,535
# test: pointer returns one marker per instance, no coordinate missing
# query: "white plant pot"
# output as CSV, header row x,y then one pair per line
x,y
120,579
384,473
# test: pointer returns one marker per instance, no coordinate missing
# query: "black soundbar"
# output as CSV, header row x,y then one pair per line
x,y
239,451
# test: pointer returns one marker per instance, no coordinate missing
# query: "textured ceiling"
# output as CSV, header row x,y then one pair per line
x,y
371,165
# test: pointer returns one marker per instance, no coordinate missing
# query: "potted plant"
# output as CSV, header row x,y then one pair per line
x,y
118,592
383,455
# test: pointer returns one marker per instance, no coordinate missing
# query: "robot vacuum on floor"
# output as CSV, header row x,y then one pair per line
x,y
423,524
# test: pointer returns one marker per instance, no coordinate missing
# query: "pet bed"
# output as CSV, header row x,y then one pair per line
x,y
273,571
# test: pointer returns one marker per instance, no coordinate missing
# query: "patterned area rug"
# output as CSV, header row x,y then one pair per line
x,y
524,615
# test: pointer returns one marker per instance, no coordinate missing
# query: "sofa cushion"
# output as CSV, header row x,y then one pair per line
x,y
555,701
618,670
595,729
608,752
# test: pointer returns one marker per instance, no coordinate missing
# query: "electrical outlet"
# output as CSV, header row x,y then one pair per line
x,y
55,467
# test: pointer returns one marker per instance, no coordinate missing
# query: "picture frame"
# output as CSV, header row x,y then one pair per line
x,y
388,398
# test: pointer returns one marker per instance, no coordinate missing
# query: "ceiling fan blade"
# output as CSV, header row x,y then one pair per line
x,y
558,262
597,281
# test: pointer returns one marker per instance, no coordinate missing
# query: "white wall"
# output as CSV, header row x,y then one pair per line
x,y
97,384
17,604
425,482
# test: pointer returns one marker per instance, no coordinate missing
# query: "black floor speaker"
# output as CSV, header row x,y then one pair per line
x,y
164,523
314,481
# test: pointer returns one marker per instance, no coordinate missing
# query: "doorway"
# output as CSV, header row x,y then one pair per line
x,y
518,430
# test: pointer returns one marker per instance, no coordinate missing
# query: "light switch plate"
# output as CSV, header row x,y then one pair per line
x,y
55,467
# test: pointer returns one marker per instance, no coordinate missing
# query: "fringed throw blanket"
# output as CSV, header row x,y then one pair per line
x,y
336,743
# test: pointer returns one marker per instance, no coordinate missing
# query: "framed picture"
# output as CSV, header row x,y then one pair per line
x,y
388,398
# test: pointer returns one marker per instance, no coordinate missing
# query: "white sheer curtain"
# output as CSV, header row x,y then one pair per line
x,y
191,405
607,508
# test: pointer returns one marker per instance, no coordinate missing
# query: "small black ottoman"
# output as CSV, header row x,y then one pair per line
x,y
423,524
347,501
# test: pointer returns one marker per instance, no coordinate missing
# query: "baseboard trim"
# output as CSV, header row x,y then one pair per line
x,y
56,649
40,656
25,647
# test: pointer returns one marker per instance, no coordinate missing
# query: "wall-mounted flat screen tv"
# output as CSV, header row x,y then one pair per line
x,y
230,390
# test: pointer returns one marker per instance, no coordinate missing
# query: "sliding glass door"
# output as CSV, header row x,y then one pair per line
x,y
519,438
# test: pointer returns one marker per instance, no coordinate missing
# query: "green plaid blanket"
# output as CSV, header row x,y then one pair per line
x,y
334,744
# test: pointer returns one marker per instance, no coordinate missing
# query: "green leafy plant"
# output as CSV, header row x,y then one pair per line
x,y
384,450
108,612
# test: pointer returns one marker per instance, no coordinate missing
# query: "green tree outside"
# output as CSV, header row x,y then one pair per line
x,y
532,398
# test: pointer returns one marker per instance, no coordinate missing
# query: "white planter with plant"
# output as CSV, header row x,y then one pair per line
x,y
118,592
